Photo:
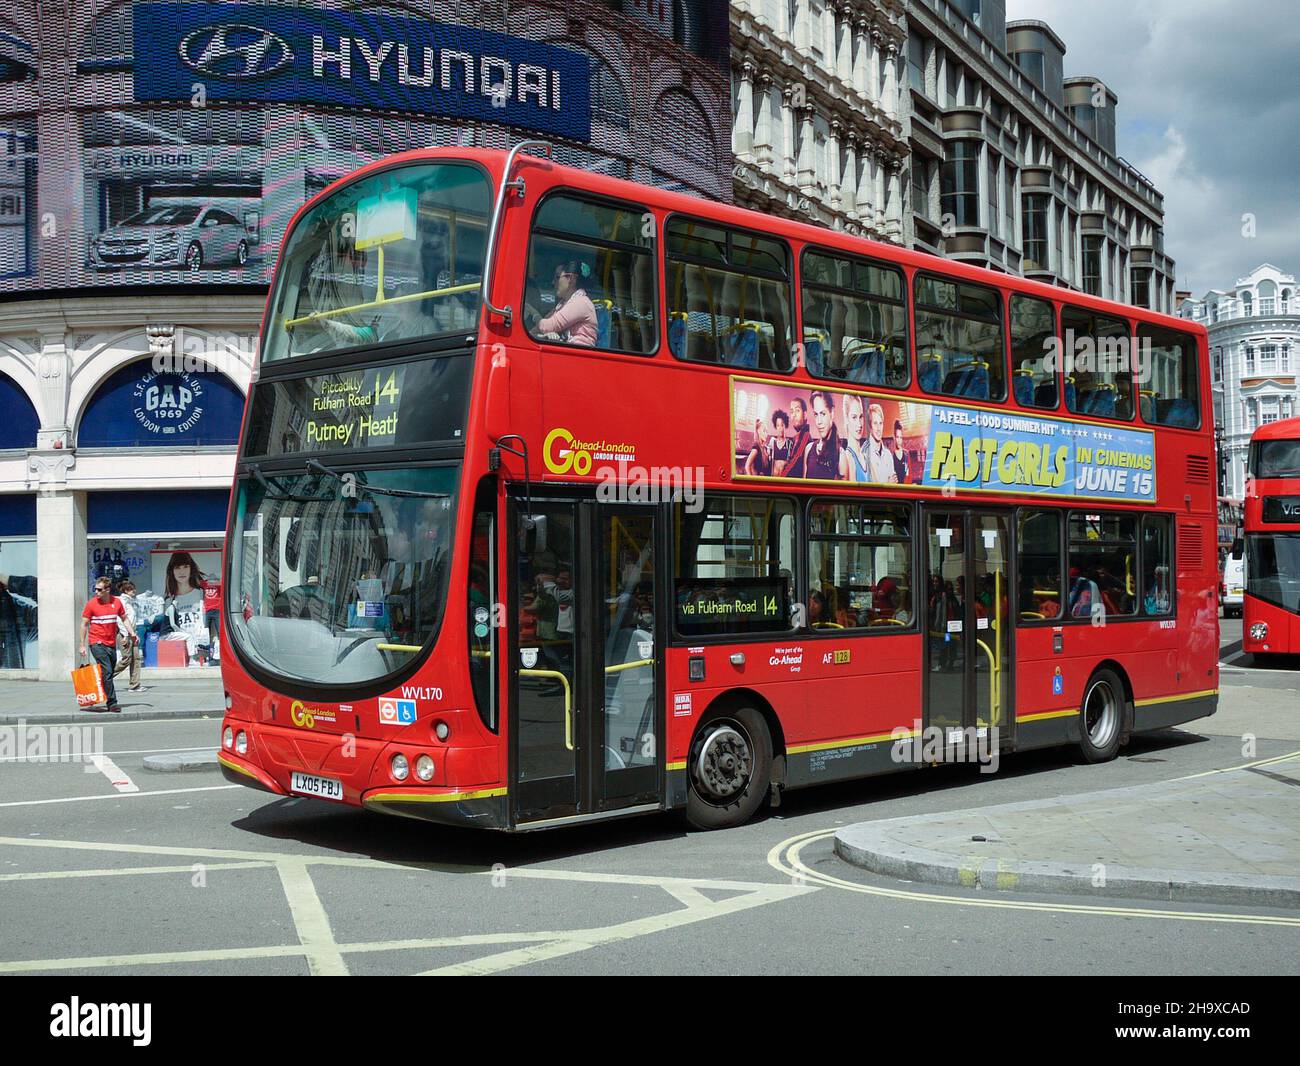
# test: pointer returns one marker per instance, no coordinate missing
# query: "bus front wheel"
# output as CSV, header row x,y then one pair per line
x,y
1101,717
730,768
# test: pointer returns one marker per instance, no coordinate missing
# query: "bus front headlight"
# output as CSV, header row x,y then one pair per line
x,y
228,737
1259,631
399,767
241,742
424,768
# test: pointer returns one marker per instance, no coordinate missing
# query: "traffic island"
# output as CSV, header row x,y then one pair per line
x,y
1230,836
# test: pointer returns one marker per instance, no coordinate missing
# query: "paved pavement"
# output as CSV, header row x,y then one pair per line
x,y
1231,835
53,702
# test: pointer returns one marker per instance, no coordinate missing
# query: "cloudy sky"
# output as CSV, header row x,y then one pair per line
x,y
1209,110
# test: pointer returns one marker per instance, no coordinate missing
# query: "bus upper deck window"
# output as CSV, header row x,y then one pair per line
x,y
1167,386
397,255
591,275
1097,358
729,297
959,339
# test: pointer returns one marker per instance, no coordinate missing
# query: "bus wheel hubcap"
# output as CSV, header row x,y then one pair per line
x,y
1101,714
724,763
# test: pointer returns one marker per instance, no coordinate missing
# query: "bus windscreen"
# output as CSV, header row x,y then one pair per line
x,y
397,255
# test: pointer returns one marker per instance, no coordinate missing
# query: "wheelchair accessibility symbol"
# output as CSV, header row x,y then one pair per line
x,y
1058,683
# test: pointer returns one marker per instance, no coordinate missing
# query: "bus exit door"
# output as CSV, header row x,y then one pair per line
x,y
968,678
585,711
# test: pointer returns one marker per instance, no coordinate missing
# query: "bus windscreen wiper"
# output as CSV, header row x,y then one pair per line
x,y
277,491
350,479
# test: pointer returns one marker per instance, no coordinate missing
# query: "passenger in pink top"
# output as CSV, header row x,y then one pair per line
x,y
574,317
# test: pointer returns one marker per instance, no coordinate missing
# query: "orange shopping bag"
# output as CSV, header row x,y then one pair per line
x,y
89,685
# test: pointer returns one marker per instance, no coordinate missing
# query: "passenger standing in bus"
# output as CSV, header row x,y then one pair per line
x,y
853,459
574,318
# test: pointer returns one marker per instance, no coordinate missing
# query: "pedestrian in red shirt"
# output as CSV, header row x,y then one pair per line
x,y
99,622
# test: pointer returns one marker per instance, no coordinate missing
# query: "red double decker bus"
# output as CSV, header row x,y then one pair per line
x,y
1271,605
563,498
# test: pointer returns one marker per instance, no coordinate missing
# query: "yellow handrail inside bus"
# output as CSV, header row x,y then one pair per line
x,y
316,316
620,667
399,647
568,700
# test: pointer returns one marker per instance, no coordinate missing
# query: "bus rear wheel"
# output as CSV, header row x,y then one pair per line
x,y
730,768
1101,717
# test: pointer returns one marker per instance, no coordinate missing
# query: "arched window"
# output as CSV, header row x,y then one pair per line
x,y
608,98
1267,297
685,132
1247,304
20,423
1284,303
137,407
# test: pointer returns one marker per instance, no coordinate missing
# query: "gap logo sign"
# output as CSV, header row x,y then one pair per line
x,y
243,52
396,712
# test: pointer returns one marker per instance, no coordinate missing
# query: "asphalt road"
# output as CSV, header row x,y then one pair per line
x,y
192,875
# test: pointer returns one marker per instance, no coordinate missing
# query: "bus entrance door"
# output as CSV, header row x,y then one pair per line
x,y
968,665
587,721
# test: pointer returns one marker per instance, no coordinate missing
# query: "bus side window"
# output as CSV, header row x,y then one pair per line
x,y
1040,565
1033,329
729,297
591,276
1157,564
959,339
1167,389
1102,383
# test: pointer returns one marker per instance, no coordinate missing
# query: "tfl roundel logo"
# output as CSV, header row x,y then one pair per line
x,y
396,712
235,50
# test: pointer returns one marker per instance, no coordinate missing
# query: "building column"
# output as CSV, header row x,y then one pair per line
x,y
742,136
62,569
806,167
876,38
763,122
849,182
844,30
833,170
787,135
895,196
890,91
860,60
865,186
880,189
802,35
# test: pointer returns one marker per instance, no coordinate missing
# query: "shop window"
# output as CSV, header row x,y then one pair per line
x,y
859,567
729,297
959,339
591,276
1039,545
1102,582
854,320
139,407
1169,394
734,566
1096,354
1157,564
19,634
20,423
1033,331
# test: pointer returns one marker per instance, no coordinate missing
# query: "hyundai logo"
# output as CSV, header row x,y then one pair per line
x,y
234,50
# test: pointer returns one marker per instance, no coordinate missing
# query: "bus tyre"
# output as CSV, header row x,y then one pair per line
x,y
1101,717
730,768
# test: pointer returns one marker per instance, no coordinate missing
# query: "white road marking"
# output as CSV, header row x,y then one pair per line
x,y
110,769
118,795
54,875
59,759
323,956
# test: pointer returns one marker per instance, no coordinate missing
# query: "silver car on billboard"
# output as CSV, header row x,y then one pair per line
x,y
173,235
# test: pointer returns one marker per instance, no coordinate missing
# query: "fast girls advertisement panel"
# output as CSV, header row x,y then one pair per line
x,y
827,434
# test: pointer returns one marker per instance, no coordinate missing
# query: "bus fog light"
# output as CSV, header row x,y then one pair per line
x,y
424,768
241,742
441,730
1259,631
399,767
228,737
229,702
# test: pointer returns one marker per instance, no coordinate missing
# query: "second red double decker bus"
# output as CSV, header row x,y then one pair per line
x,y
562,498
1271,605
